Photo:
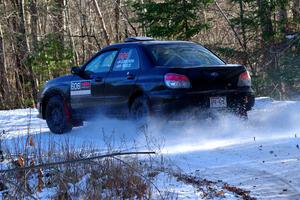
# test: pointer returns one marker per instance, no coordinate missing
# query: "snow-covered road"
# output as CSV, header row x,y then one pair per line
x,y
270,170
261,155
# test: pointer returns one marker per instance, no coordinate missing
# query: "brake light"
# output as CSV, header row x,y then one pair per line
x,y
244,79
177,81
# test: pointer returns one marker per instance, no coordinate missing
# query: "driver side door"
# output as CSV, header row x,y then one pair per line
x,y
87,90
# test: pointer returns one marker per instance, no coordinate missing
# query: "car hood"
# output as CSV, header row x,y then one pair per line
x,y
61,79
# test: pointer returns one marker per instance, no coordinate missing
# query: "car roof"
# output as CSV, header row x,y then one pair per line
x,y
143,43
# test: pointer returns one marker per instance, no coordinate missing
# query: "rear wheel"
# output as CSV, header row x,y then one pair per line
x,y
58,115
242,113
140,112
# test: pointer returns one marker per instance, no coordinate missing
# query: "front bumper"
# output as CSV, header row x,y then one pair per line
x,y
39,108
169,101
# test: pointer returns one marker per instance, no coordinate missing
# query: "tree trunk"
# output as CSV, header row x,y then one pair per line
x,y
265,14
229,23
243,32
58,30
58,27
34,24
3,72
102,23
87,34
296,13
242,24
117,19
20,26
69,29
34,45
25,73
20,48
282,16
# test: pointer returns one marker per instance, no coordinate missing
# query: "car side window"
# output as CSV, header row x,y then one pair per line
x,y
101,63
128,59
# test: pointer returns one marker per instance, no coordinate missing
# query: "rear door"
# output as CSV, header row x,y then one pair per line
x,y
121,81
87,91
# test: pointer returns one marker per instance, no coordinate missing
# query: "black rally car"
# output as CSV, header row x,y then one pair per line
x,y
143,77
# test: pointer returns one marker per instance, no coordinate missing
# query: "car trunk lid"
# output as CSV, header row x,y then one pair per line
x,y
217,77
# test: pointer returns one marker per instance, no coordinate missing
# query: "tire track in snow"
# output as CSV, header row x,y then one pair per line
x,y
262,183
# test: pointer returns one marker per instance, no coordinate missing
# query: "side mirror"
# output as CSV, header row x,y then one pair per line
x,y
76,70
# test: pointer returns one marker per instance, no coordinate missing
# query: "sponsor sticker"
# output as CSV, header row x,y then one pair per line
x,y
80,88
123,55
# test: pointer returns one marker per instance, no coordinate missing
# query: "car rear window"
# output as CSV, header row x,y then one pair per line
x,y
182,55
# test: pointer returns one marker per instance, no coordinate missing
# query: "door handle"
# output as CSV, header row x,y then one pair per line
x,y
98,79
130,76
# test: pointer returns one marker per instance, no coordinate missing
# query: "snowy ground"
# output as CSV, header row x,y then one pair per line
x,y
260,155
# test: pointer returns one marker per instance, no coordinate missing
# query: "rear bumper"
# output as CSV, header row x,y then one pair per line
x,y
169,101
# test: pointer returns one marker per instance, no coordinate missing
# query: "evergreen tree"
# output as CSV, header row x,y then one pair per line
x,y
269,17
173,19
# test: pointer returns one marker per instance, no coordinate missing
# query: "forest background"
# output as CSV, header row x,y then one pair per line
x,y
43,39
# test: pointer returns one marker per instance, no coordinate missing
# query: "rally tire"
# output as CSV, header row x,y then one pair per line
x,y
140,112
242,113
58,115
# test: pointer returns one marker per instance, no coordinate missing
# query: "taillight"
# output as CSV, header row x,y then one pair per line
x,y
244,79
177,81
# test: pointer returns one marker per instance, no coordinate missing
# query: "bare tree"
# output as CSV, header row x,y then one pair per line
x,y
102,22
296,12
3,70
58,24
34,24
117,19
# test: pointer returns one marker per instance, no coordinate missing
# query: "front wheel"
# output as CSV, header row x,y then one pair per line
x,y
58,115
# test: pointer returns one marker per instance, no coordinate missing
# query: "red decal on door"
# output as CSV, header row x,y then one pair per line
x,y
85,84
123,56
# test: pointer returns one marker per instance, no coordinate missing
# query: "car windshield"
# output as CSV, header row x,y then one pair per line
x,y
182,55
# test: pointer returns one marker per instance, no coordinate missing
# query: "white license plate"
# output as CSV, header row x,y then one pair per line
x,y
218,102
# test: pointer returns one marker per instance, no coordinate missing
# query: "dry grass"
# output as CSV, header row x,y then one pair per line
x,y
123,177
